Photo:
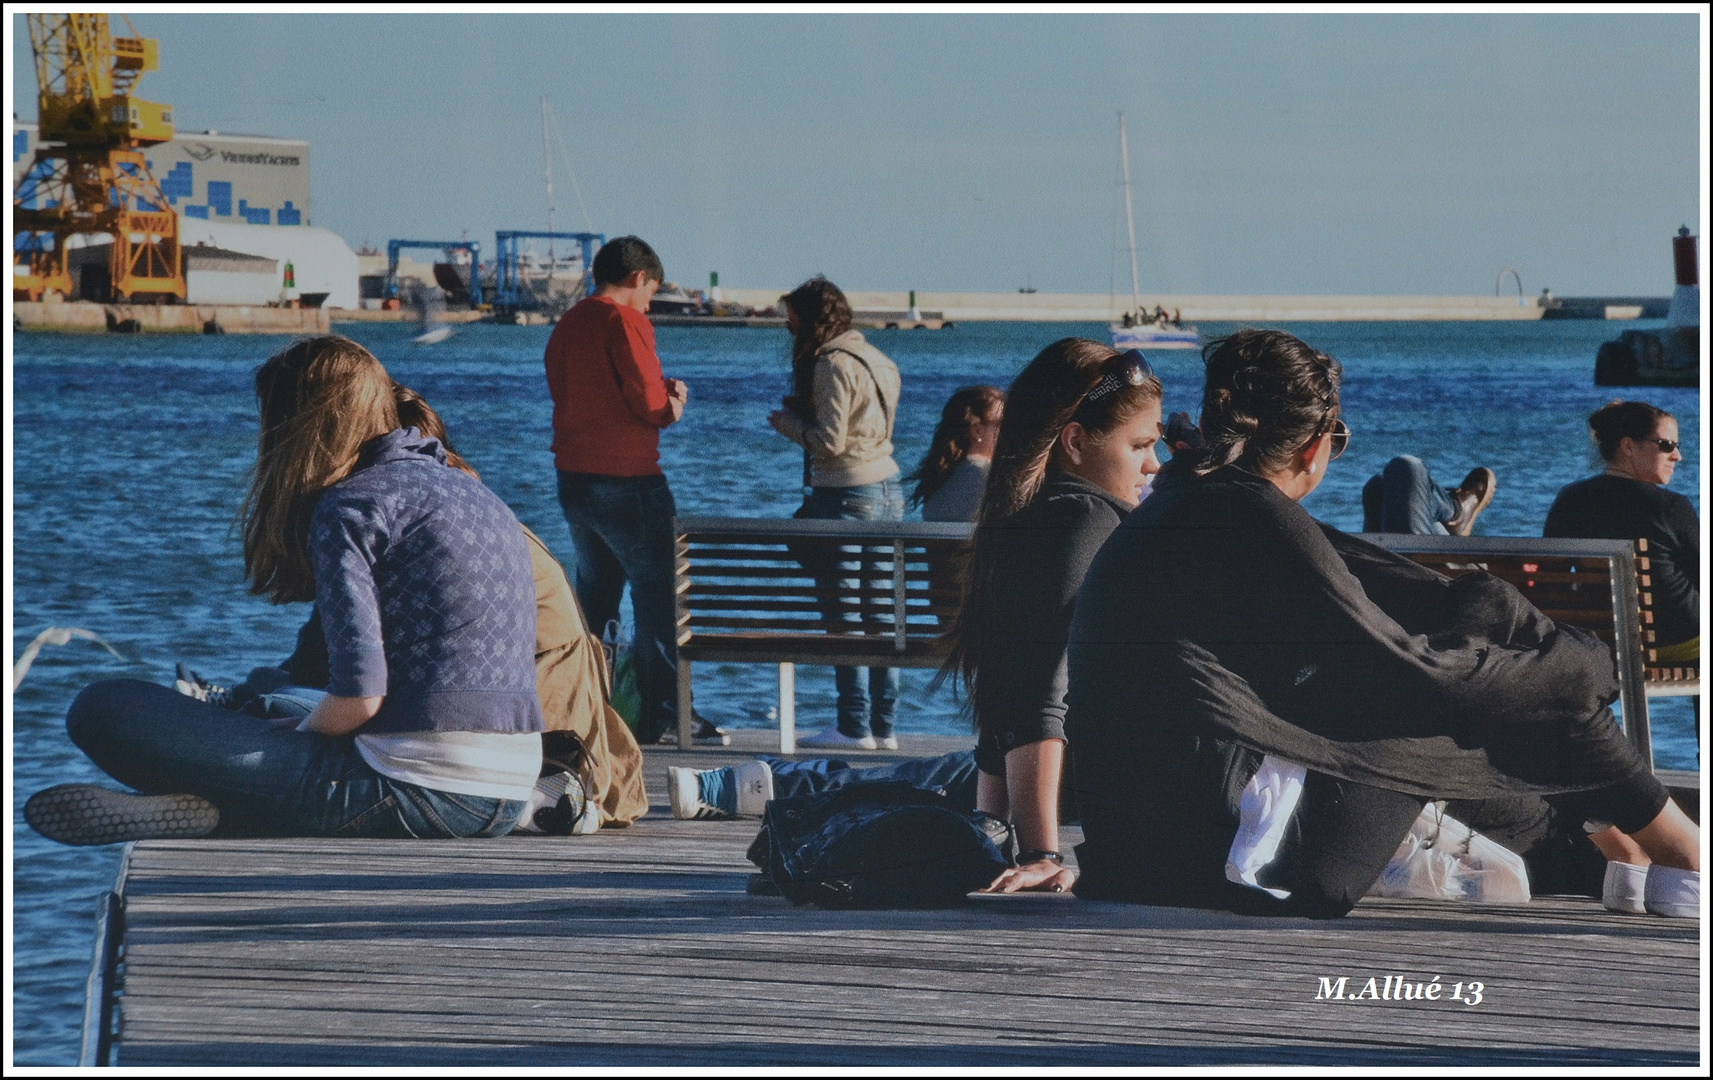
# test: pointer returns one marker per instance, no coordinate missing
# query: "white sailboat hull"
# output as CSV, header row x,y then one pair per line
x,y
1155,337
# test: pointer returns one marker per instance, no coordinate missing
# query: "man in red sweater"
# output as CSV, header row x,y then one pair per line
x,y
609,403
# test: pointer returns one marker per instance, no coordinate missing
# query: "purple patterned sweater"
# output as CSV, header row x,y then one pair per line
x,y
423,583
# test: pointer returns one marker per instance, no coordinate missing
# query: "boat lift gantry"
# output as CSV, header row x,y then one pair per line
x,y
391,290
508,280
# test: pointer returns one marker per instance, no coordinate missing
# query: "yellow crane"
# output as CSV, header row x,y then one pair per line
x,y
89,173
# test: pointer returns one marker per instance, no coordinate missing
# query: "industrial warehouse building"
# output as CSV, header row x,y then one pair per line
x,y
240,195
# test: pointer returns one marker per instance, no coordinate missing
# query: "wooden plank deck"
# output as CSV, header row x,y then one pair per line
x,y
640,947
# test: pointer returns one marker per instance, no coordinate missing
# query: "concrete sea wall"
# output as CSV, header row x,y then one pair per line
x,y
77,316
1097,307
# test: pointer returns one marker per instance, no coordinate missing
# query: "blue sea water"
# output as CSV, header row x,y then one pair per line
x,y
130,455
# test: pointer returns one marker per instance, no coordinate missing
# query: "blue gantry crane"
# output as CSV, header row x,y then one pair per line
x,y
511,292
471,246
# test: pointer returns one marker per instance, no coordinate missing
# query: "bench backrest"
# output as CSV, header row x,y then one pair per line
x,y
1589,584
1679,672
752,578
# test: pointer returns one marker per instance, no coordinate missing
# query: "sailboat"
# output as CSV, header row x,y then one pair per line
x,y
1136,328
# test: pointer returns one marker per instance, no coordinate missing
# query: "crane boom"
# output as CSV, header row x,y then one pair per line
x,y
89,173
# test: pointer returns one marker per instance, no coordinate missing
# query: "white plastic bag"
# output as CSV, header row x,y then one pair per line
x,y
1443,859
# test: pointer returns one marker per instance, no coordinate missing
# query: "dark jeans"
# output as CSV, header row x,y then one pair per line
x,y
267,778
868,697
1404,498
955,774
621,528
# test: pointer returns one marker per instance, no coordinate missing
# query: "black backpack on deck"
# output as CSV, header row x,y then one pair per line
x,y
880,844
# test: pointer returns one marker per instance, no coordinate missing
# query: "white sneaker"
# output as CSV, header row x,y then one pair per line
x,y
1624,888
755,787
684,788
834,739
886,742
1673,893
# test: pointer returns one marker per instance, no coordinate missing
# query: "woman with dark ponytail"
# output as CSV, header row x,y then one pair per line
x,y
1075,449
1261,705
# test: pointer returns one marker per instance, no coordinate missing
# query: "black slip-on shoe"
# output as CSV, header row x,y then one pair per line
x,y
85,814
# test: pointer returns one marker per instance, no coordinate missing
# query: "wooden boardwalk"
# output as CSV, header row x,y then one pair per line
x,y
640,947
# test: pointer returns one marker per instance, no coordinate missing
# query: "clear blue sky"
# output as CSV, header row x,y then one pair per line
x,y
1365,153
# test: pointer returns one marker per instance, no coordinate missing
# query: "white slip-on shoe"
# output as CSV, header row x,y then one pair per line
x,y
834,739
1673,893
886,742
755,787
1625,887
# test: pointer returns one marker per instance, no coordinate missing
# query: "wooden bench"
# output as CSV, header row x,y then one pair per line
x,y
882,598
1663,680
1598,585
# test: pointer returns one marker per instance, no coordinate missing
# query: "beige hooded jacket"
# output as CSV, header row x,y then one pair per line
x,y
856,403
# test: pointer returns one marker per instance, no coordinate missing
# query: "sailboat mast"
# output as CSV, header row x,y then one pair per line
x,y
1129,216
547,162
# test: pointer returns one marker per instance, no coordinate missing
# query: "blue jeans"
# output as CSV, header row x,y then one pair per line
x,y
868,697
267,778
621,529
1404,498
955,774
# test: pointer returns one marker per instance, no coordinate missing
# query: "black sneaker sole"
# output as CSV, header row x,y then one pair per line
x,y
84,814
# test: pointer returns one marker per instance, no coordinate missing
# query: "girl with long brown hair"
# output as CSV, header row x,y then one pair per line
x,y
953,473
1075,450
430,725
841,411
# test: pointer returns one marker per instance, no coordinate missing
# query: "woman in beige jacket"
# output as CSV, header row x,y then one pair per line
x,y
841,411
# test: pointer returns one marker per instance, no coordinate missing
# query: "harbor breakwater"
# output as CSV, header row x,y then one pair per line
x,y
77,316
1200,307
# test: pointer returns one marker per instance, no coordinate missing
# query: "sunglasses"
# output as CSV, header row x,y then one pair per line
x,y
1340,438
1126,369
1666,446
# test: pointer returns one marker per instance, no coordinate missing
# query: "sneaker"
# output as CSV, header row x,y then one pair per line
x,y
834,739
754,783
886,742
557,806
1673,893
1471,497
684,789
85,814
1624,888
192,685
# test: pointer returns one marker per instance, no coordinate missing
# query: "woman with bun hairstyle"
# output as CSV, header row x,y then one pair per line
x,y
953,473
1075,449
430,726
1629,501
1261,705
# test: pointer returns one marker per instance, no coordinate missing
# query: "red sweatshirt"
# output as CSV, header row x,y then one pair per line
x,y
609,398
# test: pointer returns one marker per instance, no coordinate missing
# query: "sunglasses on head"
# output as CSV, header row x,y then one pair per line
x,y
1126,369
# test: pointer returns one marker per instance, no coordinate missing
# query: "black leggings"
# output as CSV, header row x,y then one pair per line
x,y
1343,834
1339,840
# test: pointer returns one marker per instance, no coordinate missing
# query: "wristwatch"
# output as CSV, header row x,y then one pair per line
x,y
1024,858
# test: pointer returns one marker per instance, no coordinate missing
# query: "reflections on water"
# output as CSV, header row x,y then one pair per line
x,y
130,458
